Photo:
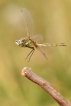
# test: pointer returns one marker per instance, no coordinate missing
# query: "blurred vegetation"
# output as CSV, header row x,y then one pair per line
x,y
52,19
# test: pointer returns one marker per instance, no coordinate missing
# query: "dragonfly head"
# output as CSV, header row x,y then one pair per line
x,y
19,42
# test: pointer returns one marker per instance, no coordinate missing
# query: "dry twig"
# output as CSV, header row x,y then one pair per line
x,y
27,72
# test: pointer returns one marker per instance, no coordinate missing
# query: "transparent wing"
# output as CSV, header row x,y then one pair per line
x,y
43,53
37,38
28,22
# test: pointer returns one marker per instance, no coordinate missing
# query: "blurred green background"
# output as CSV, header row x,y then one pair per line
x,y
52,19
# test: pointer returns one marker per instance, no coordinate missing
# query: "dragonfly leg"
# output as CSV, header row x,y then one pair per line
x,y
31,53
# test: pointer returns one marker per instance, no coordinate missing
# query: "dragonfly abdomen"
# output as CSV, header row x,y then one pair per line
x,y
51,44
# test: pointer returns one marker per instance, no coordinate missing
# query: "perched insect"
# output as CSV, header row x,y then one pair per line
x,y
31,41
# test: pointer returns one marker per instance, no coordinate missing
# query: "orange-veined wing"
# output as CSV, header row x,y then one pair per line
x,y
37,38
28,22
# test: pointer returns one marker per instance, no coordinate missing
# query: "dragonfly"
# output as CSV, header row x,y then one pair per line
x,y
33,41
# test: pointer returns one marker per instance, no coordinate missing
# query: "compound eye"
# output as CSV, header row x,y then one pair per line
x,y
20,42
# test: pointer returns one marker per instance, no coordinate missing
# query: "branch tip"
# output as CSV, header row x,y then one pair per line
x,y
25,70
